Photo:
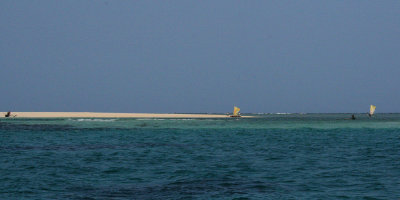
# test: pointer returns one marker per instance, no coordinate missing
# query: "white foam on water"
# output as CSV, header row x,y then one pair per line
x,y
156,119
94,120
150,119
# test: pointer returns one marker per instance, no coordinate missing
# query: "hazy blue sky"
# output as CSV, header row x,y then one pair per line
x,y
200,56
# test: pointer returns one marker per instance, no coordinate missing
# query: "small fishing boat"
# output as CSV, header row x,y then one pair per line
x,y
235,112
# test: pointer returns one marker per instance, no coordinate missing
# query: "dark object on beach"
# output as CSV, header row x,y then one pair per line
x,y
8,114
353,117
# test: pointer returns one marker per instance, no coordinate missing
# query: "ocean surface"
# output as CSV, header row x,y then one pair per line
x,y
271,156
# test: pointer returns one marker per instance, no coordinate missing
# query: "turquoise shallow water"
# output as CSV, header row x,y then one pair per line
x,y
296,156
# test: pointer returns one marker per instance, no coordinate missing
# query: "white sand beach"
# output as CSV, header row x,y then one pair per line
x,y
107,115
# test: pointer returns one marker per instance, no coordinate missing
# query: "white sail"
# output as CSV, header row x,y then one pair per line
x,y
236,111
372,110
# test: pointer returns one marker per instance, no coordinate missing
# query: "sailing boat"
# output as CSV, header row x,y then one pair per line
x,y
371,110
235,112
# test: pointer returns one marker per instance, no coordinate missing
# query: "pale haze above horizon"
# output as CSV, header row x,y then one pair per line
x,y
200,56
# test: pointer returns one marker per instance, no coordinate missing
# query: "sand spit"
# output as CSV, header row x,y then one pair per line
x,y
107,115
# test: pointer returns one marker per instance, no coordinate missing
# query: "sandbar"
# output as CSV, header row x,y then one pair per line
x,y
108,115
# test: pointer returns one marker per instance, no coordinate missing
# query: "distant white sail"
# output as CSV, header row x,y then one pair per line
x,y
372,110
236,111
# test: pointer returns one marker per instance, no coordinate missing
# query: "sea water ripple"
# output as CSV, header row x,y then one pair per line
x,y
321,156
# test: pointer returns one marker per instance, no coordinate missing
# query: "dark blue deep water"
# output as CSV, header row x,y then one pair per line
x,y
309,156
